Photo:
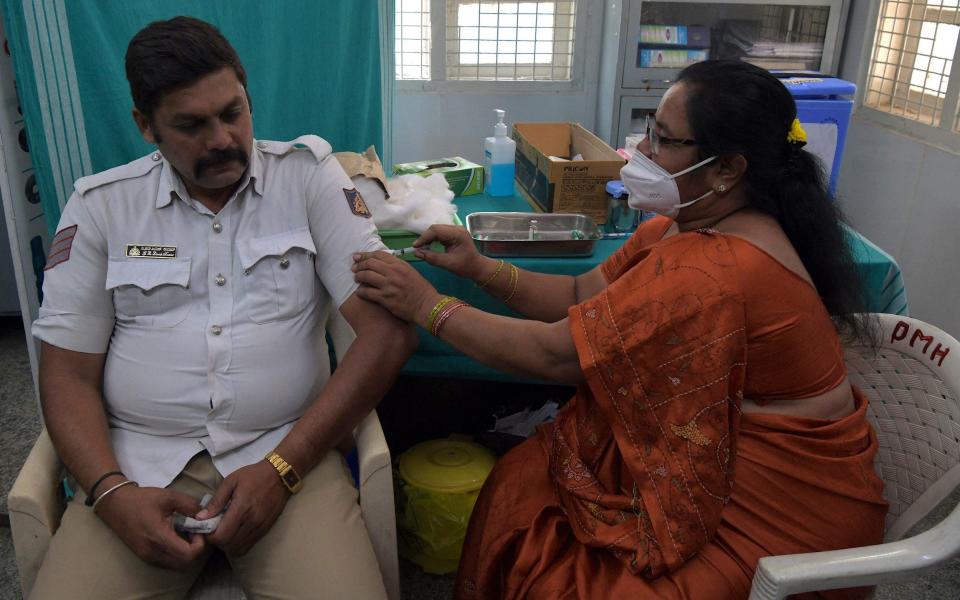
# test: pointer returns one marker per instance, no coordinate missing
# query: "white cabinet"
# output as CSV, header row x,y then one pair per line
x,y
647,43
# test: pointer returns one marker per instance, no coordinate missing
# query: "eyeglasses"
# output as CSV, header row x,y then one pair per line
x,y
657,140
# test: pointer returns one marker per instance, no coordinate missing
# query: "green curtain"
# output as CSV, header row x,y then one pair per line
x,y
314,66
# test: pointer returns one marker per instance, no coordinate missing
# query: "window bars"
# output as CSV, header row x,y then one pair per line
x,y
412,41
913,59
487,40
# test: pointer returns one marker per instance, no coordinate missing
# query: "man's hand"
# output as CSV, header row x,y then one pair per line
x,y
143,519
256,497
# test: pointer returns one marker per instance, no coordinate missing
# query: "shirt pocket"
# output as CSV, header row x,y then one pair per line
x,y
279,279
154,292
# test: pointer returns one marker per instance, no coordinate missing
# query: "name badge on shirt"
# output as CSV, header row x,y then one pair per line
x,y
151,251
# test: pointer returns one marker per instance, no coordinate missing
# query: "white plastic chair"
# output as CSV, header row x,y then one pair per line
x,y
913,384
36,504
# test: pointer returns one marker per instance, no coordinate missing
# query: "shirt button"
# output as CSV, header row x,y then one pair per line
x,y
220,279
216,330
155,157
217,227
261,145
284,262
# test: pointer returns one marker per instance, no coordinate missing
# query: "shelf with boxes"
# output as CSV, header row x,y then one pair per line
x,y
648,42
672,45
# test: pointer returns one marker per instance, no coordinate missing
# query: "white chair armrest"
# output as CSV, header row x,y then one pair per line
x,y
35,506
780,576
376,499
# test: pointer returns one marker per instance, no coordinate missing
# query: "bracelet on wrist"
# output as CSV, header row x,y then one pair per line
x,y
514,282
435,311
93,488
445,314
112,490
492,277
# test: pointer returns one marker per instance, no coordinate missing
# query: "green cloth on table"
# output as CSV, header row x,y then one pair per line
x,y
881,276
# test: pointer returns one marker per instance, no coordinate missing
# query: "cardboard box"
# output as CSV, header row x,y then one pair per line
x,y
464,177
553,184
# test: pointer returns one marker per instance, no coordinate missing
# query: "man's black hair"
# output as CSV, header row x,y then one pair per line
x,y
168,55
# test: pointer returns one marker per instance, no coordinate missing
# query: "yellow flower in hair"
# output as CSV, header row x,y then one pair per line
x,y
796,133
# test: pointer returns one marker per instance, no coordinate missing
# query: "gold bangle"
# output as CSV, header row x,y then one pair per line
x,y
446,314
431,319
492,277
514,282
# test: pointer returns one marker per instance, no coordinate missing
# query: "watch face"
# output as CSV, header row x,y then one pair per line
x,y
290,478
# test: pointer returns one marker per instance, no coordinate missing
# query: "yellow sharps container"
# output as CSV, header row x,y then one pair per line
x,y
438,486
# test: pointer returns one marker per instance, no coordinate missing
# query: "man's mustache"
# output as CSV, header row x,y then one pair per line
x,y
219,157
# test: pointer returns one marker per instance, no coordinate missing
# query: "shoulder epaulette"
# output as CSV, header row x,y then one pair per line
x,y
131,170
317,146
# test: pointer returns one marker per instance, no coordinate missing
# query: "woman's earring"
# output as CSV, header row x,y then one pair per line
x,y
721,188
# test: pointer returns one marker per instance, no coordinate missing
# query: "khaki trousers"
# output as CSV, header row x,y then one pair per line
x,y
318,548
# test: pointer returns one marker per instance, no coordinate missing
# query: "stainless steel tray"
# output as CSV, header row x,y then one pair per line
x,y
504,234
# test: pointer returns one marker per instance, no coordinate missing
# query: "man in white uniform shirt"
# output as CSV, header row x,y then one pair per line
x,y
183,342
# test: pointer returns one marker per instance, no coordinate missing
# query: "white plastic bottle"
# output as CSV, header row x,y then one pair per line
x,y
498,157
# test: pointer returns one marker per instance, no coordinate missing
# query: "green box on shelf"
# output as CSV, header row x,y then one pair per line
x,y
465,178
397,239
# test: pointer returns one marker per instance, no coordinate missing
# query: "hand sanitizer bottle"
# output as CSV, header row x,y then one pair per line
x,y
498,157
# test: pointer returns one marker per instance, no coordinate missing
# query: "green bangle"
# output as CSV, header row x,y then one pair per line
x,y
435,312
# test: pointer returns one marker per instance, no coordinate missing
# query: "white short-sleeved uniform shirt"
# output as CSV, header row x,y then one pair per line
x,y
213,324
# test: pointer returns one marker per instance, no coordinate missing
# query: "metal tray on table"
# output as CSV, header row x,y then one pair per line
x,y
504,234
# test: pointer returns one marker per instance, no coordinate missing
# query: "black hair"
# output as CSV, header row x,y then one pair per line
x,y
168,55
737,108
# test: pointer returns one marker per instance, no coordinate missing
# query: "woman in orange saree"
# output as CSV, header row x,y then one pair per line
x,y
713,423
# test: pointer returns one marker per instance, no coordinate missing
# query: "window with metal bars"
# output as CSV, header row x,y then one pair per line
x,y
412,39
485,40
912,69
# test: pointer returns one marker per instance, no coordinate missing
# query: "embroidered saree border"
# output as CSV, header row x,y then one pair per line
x,y
642,460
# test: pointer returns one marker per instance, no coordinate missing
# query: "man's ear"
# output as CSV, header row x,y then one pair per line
x,y
143,124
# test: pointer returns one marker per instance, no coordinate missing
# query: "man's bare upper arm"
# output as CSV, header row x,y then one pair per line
x,y
369,318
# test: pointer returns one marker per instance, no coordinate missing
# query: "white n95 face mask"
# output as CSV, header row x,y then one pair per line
x,y
652,188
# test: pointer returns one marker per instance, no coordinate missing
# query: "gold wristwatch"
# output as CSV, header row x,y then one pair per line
x,y
288,475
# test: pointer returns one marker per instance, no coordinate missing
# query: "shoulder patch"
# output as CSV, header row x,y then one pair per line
x,y
357,205
60,247
316,145
131,170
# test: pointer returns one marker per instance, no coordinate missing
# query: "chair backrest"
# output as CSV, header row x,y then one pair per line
x,y
912,381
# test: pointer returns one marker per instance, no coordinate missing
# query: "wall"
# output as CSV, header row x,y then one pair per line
x,y
902,193
434,124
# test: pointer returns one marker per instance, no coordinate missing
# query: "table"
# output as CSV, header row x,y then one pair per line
x,y
437,359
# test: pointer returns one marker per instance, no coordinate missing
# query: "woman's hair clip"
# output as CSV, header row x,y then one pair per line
x,y
797,136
